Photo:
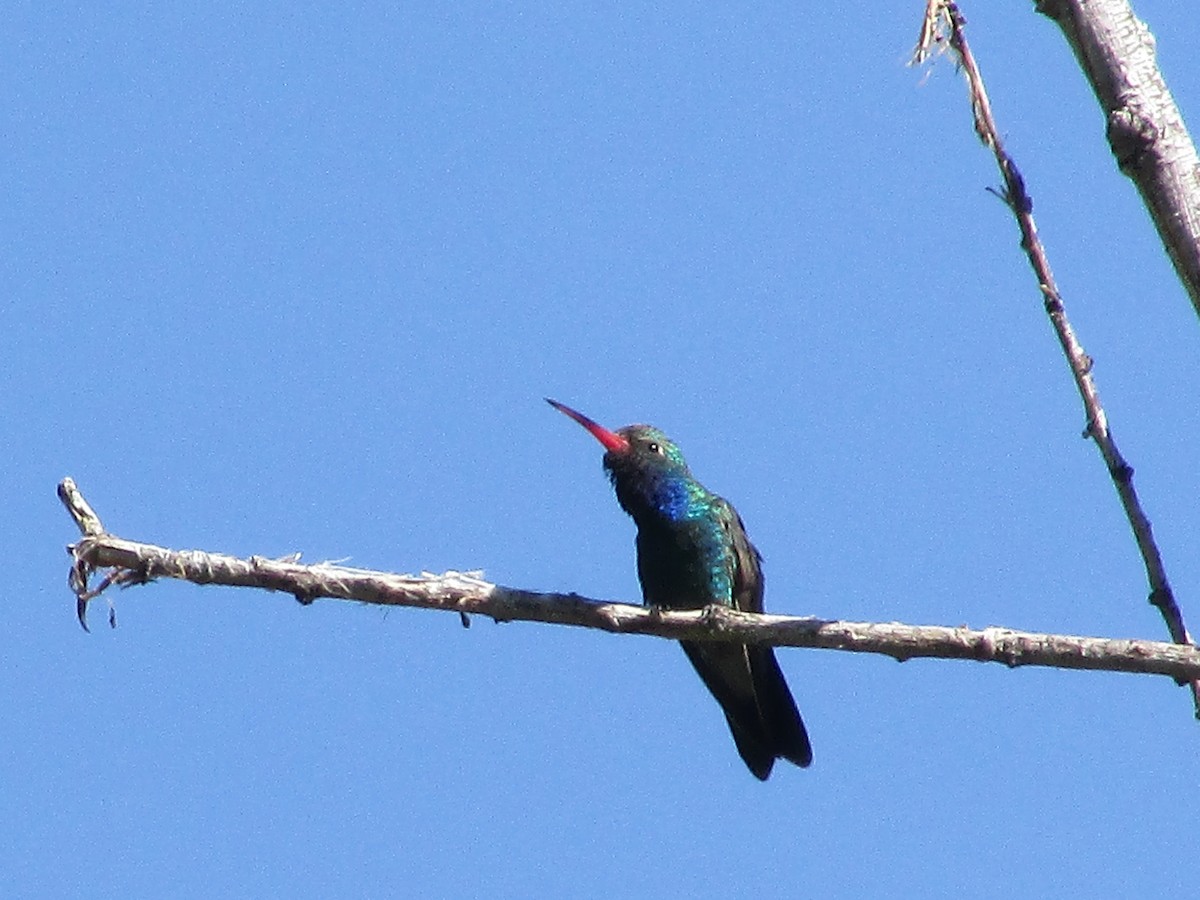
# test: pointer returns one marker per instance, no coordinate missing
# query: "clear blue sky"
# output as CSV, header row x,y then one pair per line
x,y
287,277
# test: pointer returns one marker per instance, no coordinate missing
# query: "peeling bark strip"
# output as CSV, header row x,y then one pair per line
x,y
466,593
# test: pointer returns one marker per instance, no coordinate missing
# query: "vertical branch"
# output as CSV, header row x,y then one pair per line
x,y
1145,128
944,25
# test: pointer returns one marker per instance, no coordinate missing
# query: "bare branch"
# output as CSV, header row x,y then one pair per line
x,y
88,524
79,509
944,23
466,593
1144,126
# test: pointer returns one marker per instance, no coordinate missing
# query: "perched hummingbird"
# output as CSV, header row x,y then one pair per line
x,y
692,551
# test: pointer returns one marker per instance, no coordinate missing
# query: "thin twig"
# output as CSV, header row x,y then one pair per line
x,y
89,525
467,593
944,23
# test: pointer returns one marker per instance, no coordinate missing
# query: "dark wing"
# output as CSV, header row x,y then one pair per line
x,y
780,728
746,561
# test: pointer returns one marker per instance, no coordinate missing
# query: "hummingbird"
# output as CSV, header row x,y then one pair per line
x,y
692,551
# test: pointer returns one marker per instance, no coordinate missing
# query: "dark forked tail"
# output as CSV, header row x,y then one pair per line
x,y
748,683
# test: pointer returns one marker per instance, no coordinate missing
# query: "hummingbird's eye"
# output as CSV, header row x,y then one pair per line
x,y
654,448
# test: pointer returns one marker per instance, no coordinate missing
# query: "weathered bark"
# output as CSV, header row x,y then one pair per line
x,y
466,593
943,25
1145,128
